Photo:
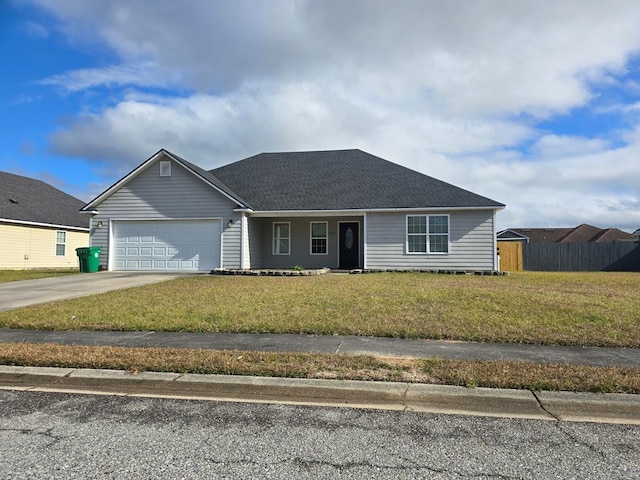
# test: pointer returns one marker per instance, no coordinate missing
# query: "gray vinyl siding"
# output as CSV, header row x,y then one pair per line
x,y
471,239
261,237
149,196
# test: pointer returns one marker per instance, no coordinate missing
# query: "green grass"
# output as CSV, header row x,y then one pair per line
x,y
492,374
17,275
547,308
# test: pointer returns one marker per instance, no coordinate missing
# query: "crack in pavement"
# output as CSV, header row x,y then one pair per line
x,y
30,431
548,412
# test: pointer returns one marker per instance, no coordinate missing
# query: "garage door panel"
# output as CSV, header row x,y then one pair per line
x,y
190,245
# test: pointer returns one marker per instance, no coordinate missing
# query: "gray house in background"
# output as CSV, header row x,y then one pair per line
x,y
343,209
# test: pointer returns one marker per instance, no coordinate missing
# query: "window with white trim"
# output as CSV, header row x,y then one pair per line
x,y
165,168
61,243
428,234
319,240
281,238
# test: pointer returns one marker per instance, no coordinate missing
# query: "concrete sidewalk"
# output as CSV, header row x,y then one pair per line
x,y
389,347
553,406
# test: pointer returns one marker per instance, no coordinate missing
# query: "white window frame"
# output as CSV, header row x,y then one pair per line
x,y
165,168
428,235
63,243
276,240
325,238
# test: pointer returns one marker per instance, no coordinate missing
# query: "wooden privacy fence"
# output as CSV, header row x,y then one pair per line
x,y
581,257
510,256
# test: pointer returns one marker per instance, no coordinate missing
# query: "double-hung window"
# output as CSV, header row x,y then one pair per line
x,y
428,233
319,238
281,238
61,243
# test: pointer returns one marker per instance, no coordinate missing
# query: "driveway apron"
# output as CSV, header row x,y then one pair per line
x,y
43,290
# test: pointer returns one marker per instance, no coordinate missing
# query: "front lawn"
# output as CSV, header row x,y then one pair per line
x,y
17,275
547,308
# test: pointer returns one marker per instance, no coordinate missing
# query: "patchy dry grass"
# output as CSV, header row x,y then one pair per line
x,y
531,307
304,365
17,275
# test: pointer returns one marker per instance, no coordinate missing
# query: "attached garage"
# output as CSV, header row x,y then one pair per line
x,y
165,245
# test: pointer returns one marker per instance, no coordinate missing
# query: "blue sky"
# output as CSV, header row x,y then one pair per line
x,y
534,104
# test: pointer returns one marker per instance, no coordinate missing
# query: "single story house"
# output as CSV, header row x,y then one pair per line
x,y
40,226
342,209
583,233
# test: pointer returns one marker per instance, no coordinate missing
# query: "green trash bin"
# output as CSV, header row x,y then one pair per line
x,y
89,258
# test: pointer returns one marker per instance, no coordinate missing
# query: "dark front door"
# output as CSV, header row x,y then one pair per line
x,y
349,246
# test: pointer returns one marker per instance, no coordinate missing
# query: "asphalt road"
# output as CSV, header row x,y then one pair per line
x,y
56,435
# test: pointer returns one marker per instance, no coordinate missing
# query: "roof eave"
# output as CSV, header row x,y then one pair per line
x,y
360,211
41,224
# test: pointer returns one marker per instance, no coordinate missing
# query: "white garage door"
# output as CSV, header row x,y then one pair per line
x,y
188,245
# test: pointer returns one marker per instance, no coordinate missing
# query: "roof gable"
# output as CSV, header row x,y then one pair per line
x,y
339,180
509,234
31,201
198,172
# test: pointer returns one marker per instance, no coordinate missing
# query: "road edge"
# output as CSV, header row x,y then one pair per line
x,y
400,396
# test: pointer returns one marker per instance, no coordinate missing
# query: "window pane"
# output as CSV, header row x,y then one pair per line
x,y
60,250
439,224
61,237
319,245
318,229
438,243
282,230
417,224
283,246
417,243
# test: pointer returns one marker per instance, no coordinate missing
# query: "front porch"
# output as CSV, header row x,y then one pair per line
x,y
310,242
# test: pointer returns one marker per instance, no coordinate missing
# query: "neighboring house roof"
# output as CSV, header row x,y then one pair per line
x,y
581,234
339,180
30,201
509,234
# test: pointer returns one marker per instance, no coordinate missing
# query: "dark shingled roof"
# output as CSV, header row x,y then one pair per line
x,y
338,180
29,200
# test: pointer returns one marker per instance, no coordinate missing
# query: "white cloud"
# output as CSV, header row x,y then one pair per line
x,y
452,89
143,74
563,146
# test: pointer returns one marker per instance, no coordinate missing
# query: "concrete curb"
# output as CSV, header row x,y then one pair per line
x,y
555,406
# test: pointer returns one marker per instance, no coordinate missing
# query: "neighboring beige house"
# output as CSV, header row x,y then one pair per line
x,y
40,226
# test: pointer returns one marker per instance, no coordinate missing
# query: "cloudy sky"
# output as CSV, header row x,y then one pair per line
x,y
533,104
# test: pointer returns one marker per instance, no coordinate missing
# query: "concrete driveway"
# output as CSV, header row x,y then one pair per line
x,y
42,290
